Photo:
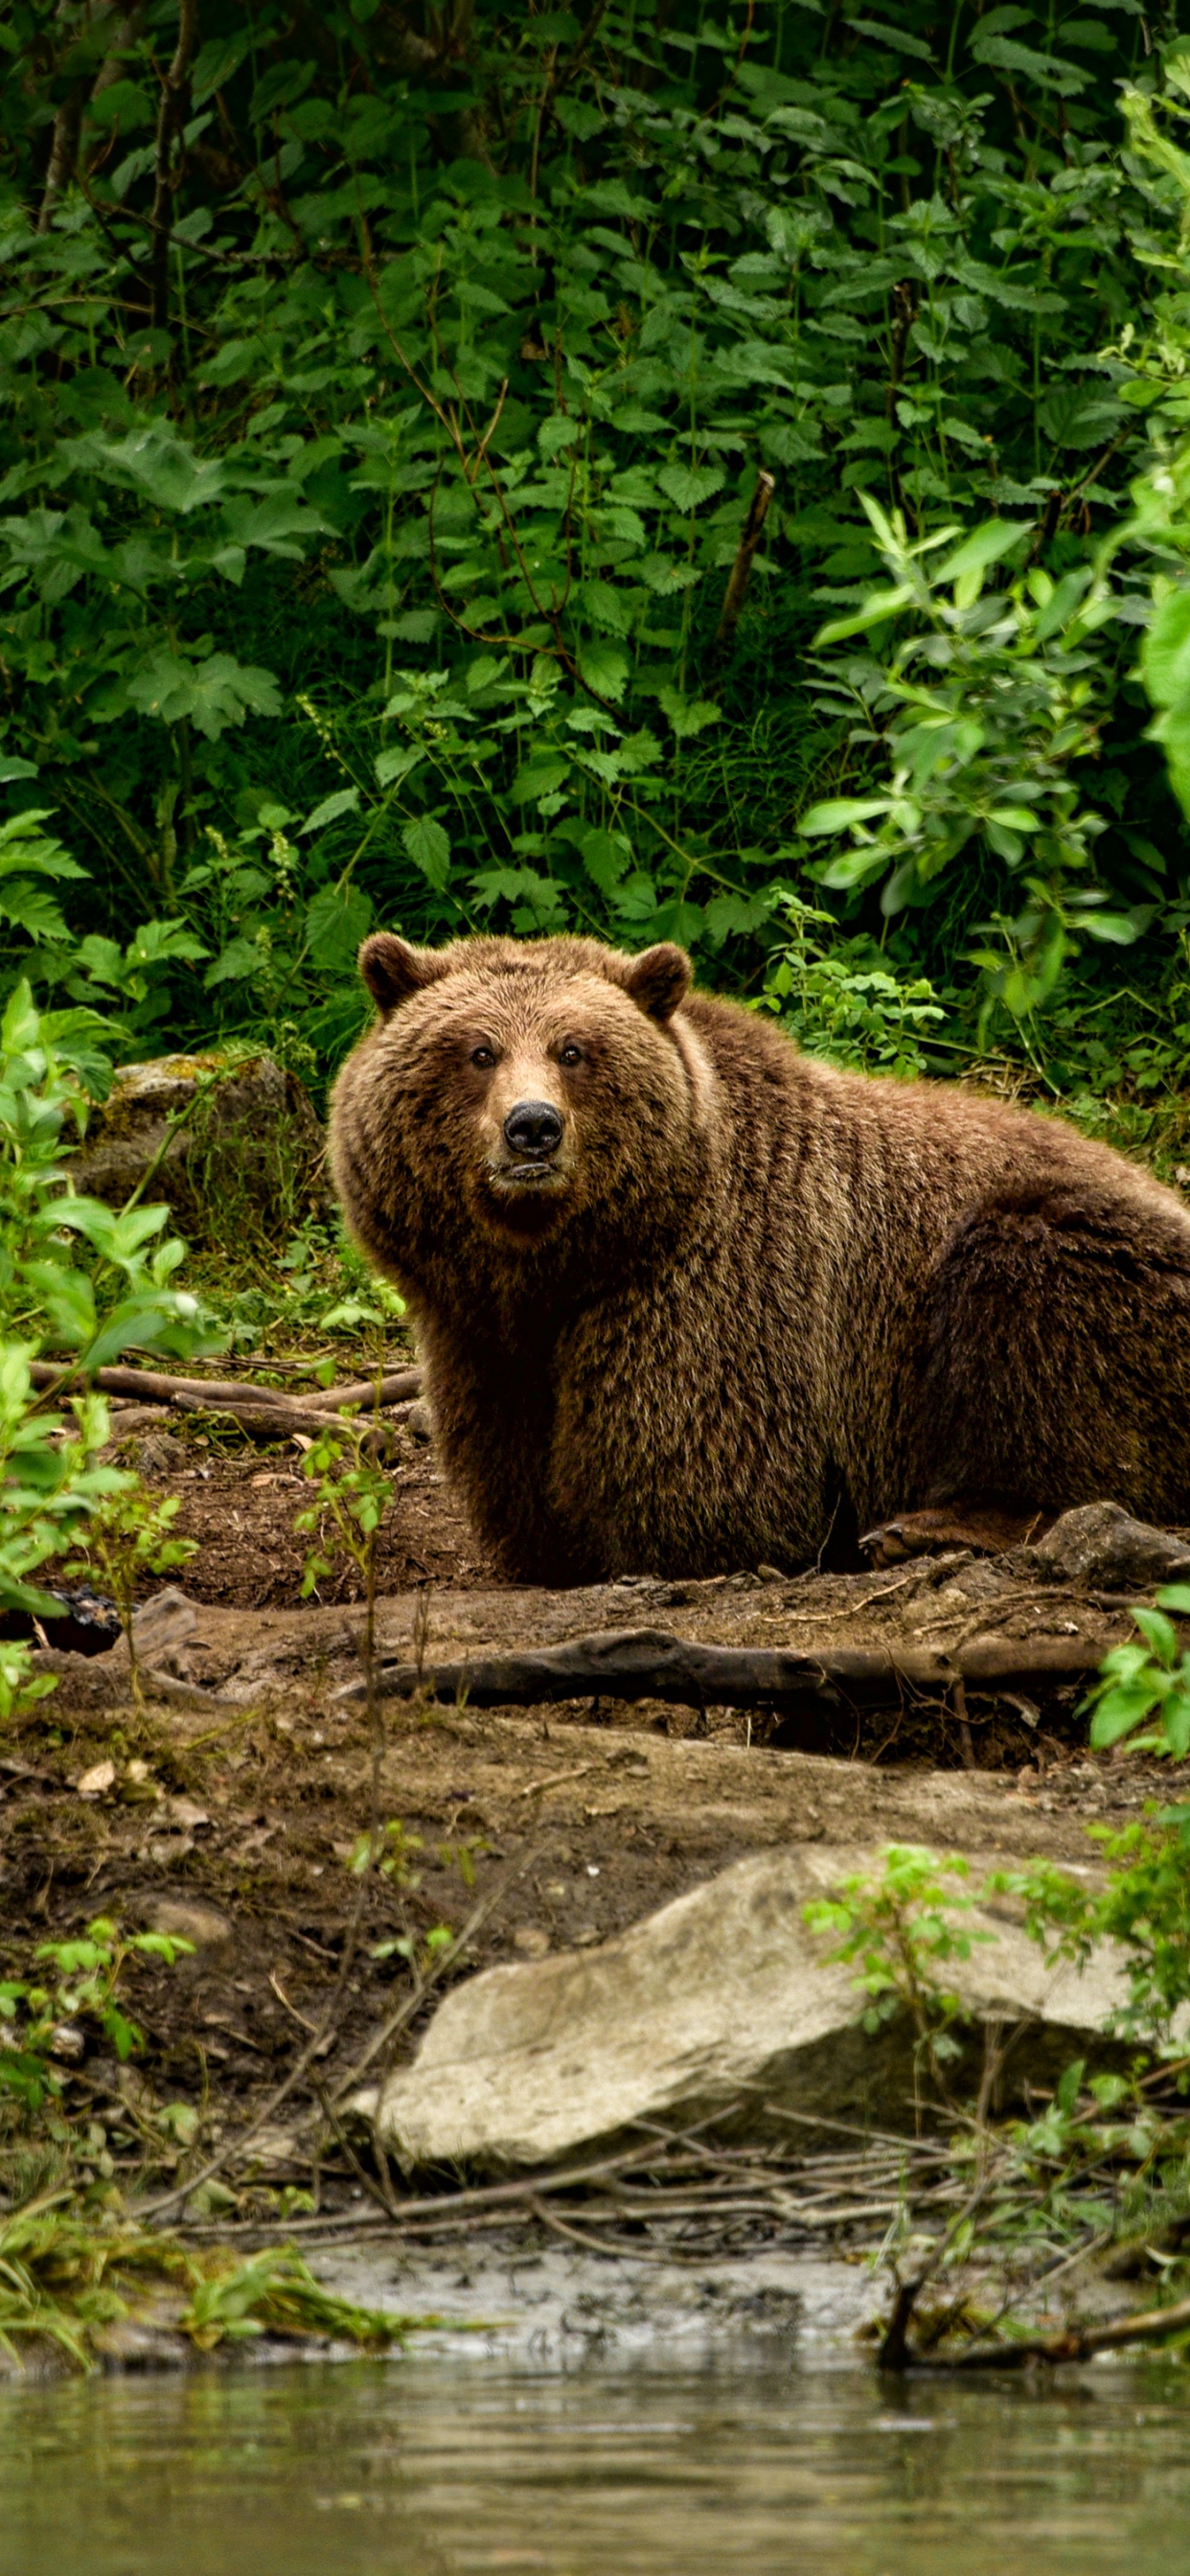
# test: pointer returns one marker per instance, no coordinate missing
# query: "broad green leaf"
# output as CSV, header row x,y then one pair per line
x,y
1119,1713
429,848
605,668
1159,1634
688,715
984,546
214,693
882,605
344,801
840,812
392,766
337,919
1165,651
689,486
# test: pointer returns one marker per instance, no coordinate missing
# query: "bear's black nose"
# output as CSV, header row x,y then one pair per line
x,y
533,1128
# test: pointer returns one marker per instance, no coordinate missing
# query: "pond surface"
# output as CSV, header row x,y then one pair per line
x,y
434,2468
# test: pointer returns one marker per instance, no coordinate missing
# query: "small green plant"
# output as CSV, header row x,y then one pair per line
x,y
840,1000
80,1984
1147,1685
1144,1906
126,1536
901,1928
352,1493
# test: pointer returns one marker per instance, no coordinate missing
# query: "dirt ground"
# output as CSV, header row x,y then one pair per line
x,y
229,1805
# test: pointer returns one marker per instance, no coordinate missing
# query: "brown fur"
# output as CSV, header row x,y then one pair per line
x,y
755,1300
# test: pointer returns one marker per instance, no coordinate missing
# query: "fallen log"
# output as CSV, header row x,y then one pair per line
x,y
401,1385
653,1663
153,1386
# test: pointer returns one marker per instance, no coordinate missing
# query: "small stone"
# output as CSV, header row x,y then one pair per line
x,y
531,1941
419,1421
184,1920
96,1782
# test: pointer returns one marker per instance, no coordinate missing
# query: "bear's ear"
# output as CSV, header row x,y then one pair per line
x,y
392,970
659,979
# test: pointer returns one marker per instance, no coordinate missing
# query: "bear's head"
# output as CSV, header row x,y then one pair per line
x,y
517,1087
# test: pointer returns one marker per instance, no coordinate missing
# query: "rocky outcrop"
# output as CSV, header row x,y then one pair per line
x,y
233,1145
723,2005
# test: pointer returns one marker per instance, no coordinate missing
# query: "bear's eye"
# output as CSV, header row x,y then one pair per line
x,y
483,1057
571,1055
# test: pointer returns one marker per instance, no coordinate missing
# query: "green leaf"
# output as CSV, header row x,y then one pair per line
x,y
840,812
1118,1713
984,546
344,801
1165,650
212,694
337,919
882,605
606,857
688,715
429,848
392,766
687,486
1175,1597
605,669
1160,1635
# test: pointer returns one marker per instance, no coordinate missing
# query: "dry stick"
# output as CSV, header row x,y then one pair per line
x,y
654,1663
599,2244
741,570
894,2353
498,2198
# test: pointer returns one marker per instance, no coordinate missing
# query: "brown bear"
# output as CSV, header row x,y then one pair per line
x,y
689,1301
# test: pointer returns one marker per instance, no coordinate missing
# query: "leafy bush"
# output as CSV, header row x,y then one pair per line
x,y
79,1281
383,397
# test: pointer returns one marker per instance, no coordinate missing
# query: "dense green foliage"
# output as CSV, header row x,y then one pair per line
x,y
383,395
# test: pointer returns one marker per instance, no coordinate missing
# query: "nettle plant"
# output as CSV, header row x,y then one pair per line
x,y
80,1285
979,710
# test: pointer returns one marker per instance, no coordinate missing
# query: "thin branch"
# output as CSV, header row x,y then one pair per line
x,y
169,121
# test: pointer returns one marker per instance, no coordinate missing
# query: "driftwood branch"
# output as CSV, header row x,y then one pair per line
x,y
653,1663
1074,2343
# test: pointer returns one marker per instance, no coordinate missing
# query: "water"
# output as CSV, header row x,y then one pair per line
x,y
436,2468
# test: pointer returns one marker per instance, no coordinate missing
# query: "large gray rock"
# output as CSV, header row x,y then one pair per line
x,y
1100,1545
231,1143
721,2004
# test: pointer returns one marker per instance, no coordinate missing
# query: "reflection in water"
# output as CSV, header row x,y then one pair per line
x,y
430,2468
